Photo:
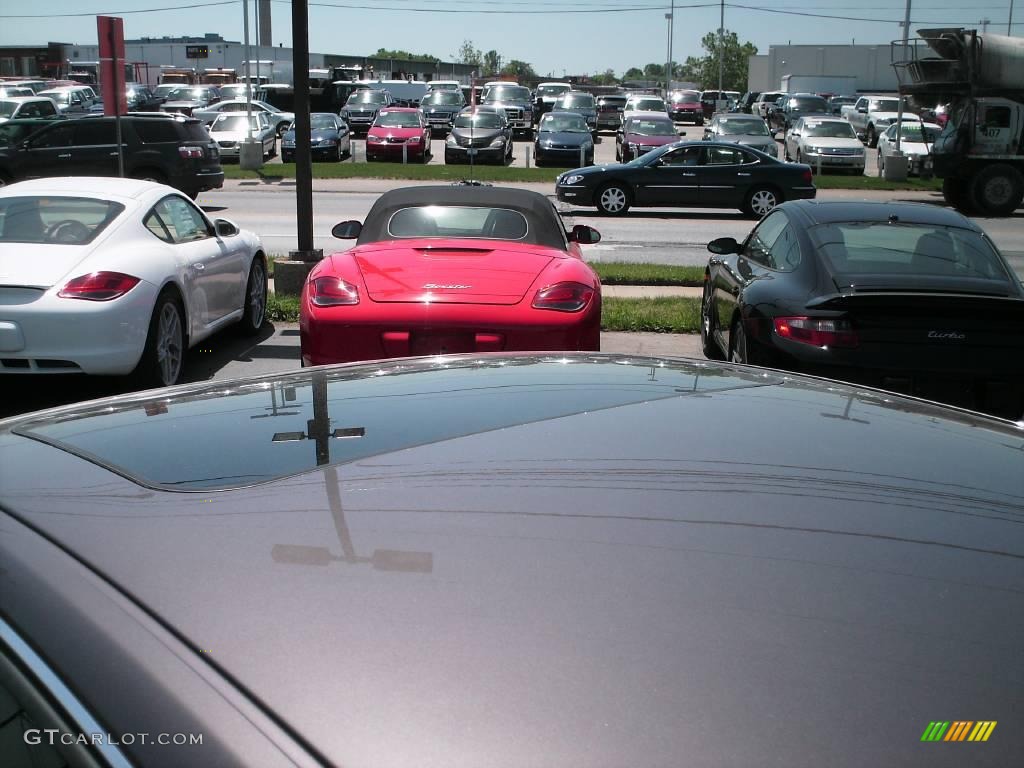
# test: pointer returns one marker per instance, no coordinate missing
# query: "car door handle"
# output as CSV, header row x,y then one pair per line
x,y
198,267
67,155
742,174
113,154
689,174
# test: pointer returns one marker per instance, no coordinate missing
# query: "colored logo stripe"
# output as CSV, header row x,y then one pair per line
x,y
958,730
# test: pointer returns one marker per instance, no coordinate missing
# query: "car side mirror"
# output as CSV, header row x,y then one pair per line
x,y
723,246
347,230
584,235
225,228
862,109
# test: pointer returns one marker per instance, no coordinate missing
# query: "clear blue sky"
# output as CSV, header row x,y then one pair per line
x,y
581,37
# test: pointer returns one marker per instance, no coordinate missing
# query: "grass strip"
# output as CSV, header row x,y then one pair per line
x,y
629,273
667,314
659,315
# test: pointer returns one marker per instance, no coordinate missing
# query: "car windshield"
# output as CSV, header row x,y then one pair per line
x,y
61,97
648,127
322,121
913,132
577,100
880,248
59,220
479,120
808,104
458,222
885,105
387,119
552,90
367,97
188,94
740,126
837,129
648,105
443,97
611,102
508,93
690,97
232,123
564,124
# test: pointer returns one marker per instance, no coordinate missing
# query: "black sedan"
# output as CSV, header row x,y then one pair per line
x,y
330,138
689,174
563,137
479,135
507,561
905,297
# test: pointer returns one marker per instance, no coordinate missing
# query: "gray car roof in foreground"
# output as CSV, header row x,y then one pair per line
x,y
562,560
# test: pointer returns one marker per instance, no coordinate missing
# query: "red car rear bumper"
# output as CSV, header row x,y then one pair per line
x,y
374,331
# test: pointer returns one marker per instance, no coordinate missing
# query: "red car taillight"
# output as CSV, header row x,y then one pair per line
x,y
808,177
98,286
563,297
817,331
333,292
191,153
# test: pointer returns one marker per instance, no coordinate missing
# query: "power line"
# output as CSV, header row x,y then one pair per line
x,y
116,13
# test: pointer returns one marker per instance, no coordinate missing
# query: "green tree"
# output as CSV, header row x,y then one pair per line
x,y
491,63
652,71
384,53
605,78
704,70
520,70
469,54
633,73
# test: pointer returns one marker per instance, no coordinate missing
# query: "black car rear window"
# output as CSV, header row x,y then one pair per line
x,y
366,410
882,248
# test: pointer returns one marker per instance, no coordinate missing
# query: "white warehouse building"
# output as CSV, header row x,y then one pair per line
x,y
870,64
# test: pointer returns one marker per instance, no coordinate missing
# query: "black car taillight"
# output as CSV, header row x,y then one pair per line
x,y
817,331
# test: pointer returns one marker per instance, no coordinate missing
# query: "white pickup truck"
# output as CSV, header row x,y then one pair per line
x,y
871,115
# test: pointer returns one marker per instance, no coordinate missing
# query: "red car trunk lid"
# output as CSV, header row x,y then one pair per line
x,y
463,272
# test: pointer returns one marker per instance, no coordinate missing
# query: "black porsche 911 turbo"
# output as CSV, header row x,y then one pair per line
x,y
902,296
689,174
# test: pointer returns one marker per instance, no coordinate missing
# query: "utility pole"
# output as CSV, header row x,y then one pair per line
x,y
721,49
671,16
1009,21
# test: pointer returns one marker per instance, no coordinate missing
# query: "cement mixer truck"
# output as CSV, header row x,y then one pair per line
x,y
980,78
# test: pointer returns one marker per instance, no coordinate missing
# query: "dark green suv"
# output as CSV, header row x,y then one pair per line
x,y
171,149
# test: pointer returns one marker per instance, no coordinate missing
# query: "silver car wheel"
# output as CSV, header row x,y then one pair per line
x,y
169,344
613,199
763,201
257,294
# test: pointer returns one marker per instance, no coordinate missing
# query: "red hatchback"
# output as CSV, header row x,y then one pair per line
x,y
451,269
398,133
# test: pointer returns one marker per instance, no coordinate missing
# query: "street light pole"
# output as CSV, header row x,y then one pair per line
x,y
671,16
1009,21
721,49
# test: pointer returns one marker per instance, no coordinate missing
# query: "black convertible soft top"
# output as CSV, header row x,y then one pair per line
x,y
545,226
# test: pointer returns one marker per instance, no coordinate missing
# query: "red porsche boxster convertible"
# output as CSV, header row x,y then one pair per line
x,y
448,269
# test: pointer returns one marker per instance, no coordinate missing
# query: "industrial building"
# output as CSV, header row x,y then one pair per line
x,y
870,64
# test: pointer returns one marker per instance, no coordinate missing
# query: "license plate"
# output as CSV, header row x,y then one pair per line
x,y
472,151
